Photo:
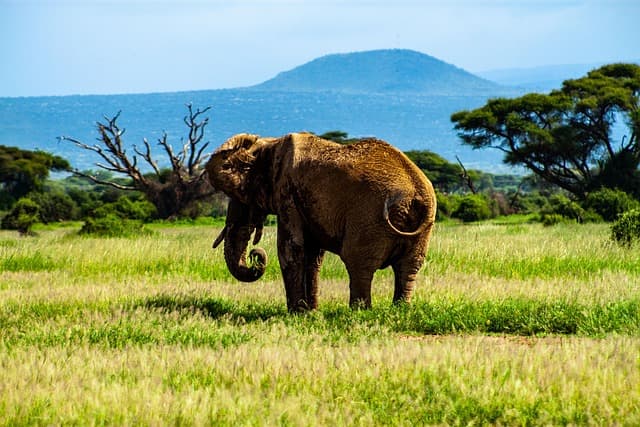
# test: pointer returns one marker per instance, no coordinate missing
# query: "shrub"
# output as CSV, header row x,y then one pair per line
x,y
55,206
112,225
445,205
626,229
86,199
22,217
551,219
122,218
566,208
471,208
528,202
126,208
610,203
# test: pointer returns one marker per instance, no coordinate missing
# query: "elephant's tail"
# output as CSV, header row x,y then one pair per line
x,y
418,215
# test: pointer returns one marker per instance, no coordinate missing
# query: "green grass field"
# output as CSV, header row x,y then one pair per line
x,y
513,324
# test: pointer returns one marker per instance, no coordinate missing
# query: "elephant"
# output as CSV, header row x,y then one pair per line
x,y
365,201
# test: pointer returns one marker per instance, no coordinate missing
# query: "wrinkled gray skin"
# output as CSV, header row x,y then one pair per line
x,y
366,202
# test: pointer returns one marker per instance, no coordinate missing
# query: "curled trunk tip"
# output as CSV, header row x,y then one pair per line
x,y
252,268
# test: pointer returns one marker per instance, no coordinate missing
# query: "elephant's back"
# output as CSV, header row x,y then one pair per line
x,y
369,168
382,164
370,163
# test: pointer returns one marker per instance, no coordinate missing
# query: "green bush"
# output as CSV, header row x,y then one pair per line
x,y
566,208
112,225
532,202
549,219
122,218
609,204
474,207
87,200
626,229
124,207
445,205
22,217
55,205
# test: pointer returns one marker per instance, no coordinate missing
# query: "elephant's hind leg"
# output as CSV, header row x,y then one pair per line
x,y
405,272
360,286
313,260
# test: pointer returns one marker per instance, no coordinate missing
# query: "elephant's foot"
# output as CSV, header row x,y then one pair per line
x,y
300,307
360,287
359,304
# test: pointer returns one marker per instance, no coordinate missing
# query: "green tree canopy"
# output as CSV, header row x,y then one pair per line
x,y
338,136
565,137
22,171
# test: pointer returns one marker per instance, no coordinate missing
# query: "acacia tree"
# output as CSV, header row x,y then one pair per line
x,y
565,137
173,191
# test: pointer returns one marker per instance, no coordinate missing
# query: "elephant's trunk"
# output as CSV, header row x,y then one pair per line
x,y
235,251
239,226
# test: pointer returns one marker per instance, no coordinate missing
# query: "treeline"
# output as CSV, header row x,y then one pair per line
x,y
27,197
105,210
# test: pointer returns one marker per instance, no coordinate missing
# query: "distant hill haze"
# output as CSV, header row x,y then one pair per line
x,y
380,72
542,78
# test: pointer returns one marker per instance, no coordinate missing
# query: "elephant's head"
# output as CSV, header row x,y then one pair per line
x,y
231,170
231,165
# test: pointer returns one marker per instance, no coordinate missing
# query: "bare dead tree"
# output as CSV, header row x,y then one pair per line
x,y
173,192
466,178
513,200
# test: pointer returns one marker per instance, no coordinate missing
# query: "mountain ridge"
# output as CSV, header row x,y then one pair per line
x,y
379,71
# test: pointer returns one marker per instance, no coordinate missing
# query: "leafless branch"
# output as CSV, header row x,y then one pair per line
x,y
187,183
103,181
176,164
147,156
465,177
196,134
516,195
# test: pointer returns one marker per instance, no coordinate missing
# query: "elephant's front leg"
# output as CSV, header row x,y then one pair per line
x,y
291,255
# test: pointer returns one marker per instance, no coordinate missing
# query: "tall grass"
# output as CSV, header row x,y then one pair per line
x,y
510,324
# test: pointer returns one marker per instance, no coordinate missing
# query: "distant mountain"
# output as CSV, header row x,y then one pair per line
x,y
380,72
543,78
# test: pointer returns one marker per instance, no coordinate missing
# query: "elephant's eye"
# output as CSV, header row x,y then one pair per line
x,y
226,166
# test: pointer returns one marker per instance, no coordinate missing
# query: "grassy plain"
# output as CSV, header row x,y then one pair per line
x,y
511,324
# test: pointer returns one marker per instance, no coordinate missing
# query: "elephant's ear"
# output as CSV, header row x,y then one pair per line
x,y
238,142
242,160
230,165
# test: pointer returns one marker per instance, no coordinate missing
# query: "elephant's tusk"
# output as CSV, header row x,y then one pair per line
x,y
220,237
258,235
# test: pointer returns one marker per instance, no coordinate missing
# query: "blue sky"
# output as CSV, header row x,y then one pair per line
x,y
60,47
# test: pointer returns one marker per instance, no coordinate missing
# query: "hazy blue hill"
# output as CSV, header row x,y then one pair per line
x,y
380,71
543,78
